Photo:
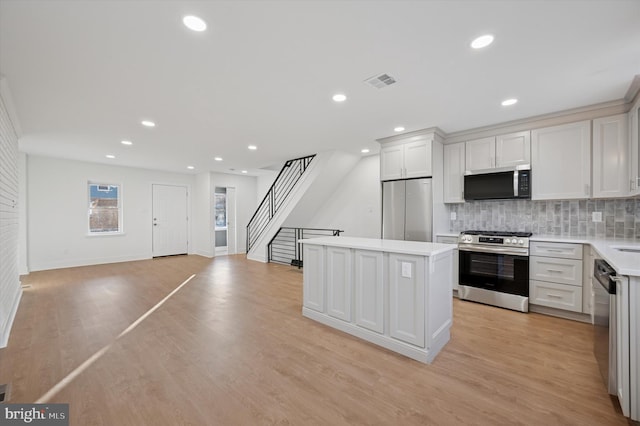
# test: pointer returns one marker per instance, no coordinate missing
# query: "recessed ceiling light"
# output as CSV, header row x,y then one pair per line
x,y
482,41
508,102
252,147
190,167
339,97
148,123
399,129
218,158
364,150
194,23
244,171
110,156
126,142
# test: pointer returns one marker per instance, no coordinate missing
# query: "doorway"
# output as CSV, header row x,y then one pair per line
x,y
170,220
224,218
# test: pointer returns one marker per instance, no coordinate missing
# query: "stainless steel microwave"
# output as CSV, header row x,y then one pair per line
x,y
498,184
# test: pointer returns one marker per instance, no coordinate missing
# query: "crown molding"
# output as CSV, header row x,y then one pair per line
x,y
634,89
435,132
589,112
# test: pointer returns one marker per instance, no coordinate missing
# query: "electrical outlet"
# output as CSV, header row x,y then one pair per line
x,y
406,270
596,217
454,215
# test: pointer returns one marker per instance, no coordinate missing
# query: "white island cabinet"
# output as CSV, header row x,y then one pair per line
x,y
396,294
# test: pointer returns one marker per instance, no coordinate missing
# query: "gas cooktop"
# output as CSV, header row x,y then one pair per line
x,y
499,233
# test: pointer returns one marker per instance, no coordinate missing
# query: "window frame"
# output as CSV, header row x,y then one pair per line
x,y
120,198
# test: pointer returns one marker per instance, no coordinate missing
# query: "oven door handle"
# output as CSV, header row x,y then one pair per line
x,y
500,250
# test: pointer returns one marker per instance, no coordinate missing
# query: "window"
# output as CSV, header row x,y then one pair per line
x,y
220,207
105,208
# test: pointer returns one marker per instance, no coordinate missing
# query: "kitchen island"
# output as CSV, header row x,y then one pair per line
x,y
395,294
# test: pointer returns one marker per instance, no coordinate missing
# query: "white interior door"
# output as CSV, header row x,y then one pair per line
x,y
170,221
232,238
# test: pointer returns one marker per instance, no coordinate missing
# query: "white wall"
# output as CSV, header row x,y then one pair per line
x,y
246,203
10,290
23,253
263,183
203,215
57,213
355,206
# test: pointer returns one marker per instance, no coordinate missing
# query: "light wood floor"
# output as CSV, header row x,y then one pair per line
x,y
232,348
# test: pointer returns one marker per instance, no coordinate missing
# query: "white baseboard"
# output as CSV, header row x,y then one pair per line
x,y
4,338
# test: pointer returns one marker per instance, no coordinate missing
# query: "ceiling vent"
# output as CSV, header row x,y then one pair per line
x,y
380,81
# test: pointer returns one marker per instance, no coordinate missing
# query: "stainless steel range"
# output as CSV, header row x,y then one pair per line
x,y
494,268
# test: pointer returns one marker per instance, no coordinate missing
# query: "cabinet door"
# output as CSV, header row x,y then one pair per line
x,y
454,173
391,162
623,360
481,154
610,151
634,148
313,277
417,159
406,298
339,282
561,162
369,286
513,149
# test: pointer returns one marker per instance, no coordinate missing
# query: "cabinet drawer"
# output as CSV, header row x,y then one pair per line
x,y
550,269
555,295
564,250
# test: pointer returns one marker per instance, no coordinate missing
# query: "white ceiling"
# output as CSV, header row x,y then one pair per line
x,y
84,73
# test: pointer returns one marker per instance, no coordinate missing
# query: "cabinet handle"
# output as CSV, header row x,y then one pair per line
x,y
555,270
586,189
554,296
554,250
632,185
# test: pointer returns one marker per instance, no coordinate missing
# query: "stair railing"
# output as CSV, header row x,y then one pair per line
x,y
284,246
284,183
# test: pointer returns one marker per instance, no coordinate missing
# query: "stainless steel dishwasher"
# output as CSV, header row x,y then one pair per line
x,y
604,322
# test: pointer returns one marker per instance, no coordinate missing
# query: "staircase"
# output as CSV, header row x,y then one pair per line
x,y
300,190
271,204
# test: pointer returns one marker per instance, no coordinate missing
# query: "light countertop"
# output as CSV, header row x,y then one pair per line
x,y
391,246
625,263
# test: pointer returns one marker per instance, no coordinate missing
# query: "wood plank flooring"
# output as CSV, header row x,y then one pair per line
x,y
232,348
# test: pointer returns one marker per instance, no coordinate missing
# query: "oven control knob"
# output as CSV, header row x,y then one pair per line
x,y
520,242
507,241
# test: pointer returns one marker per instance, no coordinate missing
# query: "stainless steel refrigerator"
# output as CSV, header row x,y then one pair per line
x,y
407,210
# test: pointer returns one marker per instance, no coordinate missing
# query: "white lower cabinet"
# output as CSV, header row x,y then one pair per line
x,y
560,296
456,259
369,290
339,282
407,298
555,275
623,355
313,282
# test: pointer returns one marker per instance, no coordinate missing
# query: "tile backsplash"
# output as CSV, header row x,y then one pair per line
x,y
567,218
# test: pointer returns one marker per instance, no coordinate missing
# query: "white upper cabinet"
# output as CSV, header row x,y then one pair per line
x,y
513,149
391,162
481,154
454,160
634,147
610,152
561,161
405,160
509,150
